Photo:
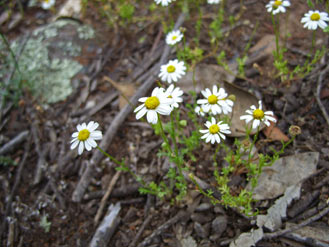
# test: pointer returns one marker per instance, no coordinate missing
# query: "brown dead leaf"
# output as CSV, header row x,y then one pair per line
x,y
208,75
274,133
126,90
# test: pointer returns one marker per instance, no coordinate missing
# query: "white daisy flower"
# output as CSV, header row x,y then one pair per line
x,y
157,103
215,131
216,101
174,37
172,71
175,94
198,110
214,1
163,2
86,136
313,19
258,116
47,4
278,6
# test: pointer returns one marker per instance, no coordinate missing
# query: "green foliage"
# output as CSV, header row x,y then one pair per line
x,y
7,161
126,11
45,224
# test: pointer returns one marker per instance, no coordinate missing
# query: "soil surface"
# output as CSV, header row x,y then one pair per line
x,y
37,205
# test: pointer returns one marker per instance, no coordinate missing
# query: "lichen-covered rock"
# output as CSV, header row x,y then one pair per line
x,y
50,58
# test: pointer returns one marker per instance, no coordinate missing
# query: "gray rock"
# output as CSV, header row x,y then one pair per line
x,y
219,225
200,230
50,58
201,217
203,207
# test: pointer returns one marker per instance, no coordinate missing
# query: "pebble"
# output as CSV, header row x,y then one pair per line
x,y
203,207
219,225
200,230
201,218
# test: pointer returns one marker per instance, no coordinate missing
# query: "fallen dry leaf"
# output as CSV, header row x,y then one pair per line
x,y
274,133
206,76
126,90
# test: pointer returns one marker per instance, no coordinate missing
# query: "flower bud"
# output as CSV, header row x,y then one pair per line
x,y
183,123
232,97
295,130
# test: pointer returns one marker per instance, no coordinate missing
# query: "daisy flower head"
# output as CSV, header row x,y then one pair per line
x,y
216,101
172,71
257,115
86,136
215,131
278,6
174,37
47,4
198,110
175,94
313,19
157,103
214,1
163,2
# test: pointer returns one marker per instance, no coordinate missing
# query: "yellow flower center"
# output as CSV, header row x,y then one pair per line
x,y
83,135
276,4
174,37
315,17
213,129
212,99
170,97
258,114
171,69
46,1
152,102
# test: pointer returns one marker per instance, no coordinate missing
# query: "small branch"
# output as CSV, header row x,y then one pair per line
x,y
179,216
141,230
298,226
10,146
318,91
107,228
13,191
106,196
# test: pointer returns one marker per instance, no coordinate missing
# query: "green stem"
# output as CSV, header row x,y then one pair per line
x,y
173,132
11,51
111,157
253,144
276,31
163,135
313,43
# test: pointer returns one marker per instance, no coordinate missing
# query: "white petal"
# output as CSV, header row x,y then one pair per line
x,y
255,124
81,147
141,113
152,117
91,142
96,135
74,144
75,134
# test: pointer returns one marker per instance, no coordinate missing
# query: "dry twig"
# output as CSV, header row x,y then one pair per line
x,y
318,91
106,196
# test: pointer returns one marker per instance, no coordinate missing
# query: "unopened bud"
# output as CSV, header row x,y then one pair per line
x,y
295,130
183,123
232,97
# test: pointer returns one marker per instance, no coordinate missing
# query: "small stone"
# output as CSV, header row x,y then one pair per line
x,y
203,207
200,230
201,218
219,210
218,226
278,104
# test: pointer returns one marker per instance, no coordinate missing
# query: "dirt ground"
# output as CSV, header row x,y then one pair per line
x,y
193,221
